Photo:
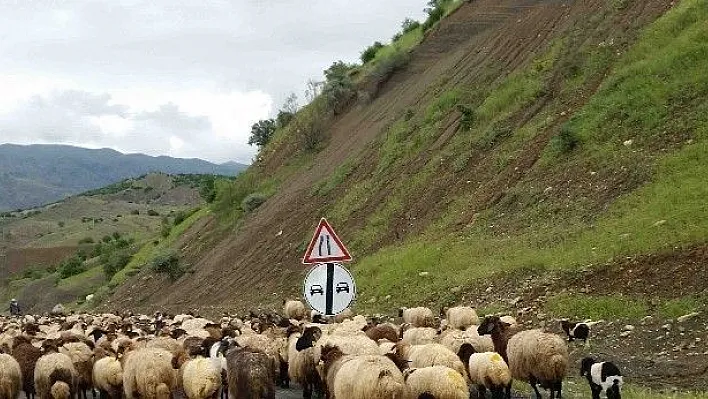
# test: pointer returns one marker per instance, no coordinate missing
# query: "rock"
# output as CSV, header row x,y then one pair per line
x,y
659,222
515,300
682,329
372,300
687,317
625,334
455,290
647,319
488,290
387,297
666,327
628,327
423,274
627,143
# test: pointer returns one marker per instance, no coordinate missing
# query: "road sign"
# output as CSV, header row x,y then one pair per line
x,y
329,288
325,246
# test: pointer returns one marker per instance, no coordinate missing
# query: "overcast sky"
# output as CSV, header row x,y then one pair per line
x,y
171,77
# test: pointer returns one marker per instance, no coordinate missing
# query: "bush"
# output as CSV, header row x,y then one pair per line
x,y
114,263
409,25
385,68
168,263
106,238
135,212
71,267
32,274
179,218
565,141
467,119
152,212
370,52
86,240
252,202
62,224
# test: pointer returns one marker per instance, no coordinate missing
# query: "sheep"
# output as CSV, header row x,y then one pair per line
x,y
361,376
602,376
302,361
439,381
10,377
382,331
461,317
250,374
500,332
419,335
201,378
487,370
82,357
26,355
294,310
58,310
148,374
108,377
55,376
270,347
510,320
453,340
418,317
578,330
430,355
343,315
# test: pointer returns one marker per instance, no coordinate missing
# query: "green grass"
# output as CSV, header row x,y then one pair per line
x,y
608,307
678,307
340,174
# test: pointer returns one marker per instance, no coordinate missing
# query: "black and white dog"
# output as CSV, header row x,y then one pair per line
x,y
602,376
578,330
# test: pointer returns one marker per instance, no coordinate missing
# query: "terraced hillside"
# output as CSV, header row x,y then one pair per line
x,y
542,157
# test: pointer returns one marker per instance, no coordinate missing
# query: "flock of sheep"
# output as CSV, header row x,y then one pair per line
x,y
347,357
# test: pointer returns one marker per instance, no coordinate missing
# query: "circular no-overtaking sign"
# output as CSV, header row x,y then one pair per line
x,y
329,288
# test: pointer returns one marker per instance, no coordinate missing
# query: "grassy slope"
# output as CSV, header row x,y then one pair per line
x,y
655,94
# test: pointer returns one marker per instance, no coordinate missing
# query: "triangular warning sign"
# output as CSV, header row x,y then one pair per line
x,y
325,246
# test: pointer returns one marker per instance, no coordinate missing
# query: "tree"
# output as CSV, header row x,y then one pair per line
x,y
370,52
261,132
287,111
409,25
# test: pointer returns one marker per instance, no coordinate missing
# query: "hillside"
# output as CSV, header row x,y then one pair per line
x,y
543,158
39,247
38,174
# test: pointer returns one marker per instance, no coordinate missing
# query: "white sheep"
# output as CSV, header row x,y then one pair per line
x,y
201,378
430,355
418,317
55,377
539,358
453,340
439,381
108,376
488,370
419,335
10,377
361,376
294,310
148,374
461,317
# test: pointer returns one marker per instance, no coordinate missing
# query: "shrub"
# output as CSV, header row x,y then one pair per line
x,y
168,263
261,132
385,68
252,202
179,218
32,274
467,119
565,141
114,263
370,52
86,240
62,224
152,212
409,25
106,238
135,212
116,235
71,267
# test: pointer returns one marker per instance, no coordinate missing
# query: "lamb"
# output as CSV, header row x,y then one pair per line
x,y
602,376
577,330
54,375
439,381
461,317
294,310
10,377
418,317
148,374
487,370
361,376
430,355
250,374
533,356
201,378
26,355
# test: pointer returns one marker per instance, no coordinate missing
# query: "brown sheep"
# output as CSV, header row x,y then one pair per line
x,y
250,374
27,355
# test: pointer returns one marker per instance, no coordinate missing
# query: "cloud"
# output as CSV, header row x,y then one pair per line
x,y
153,76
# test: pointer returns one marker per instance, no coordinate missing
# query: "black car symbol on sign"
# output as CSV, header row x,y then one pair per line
x,y
316,289
342,287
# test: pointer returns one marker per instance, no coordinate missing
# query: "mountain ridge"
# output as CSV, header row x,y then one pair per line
x,y
35,174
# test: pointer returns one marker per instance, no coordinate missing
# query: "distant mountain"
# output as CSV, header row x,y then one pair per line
x,y
37,174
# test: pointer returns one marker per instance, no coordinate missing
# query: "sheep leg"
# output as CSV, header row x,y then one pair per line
x,y
481,391
558,387
533,383
596,389
507,391
307,391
